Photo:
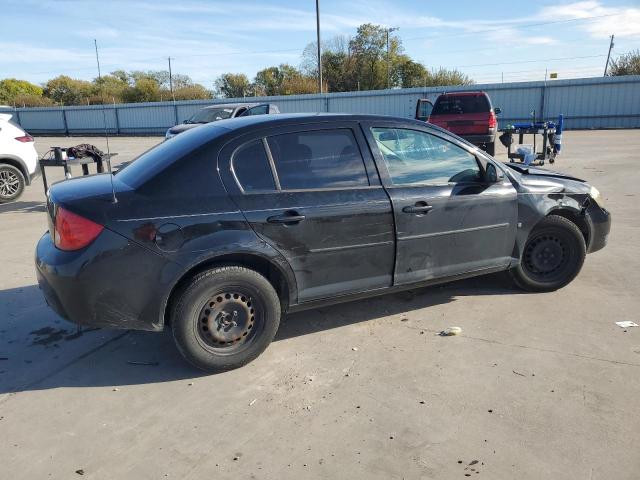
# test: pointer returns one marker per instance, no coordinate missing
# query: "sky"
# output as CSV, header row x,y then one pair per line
x,y
489,41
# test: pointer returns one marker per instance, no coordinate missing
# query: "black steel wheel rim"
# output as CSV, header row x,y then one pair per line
x,y
9,183
229,321
546,256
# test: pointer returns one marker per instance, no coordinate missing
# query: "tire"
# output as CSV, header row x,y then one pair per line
x,y
12,183
490,148
552,257
225,317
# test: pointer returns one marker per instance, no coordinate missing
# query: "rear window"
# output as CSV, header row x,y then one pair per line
x,y
455,105
162,156
318,159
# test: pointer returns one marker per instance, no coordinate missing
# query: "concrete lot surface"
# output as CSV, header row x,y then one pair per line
x,y
538,386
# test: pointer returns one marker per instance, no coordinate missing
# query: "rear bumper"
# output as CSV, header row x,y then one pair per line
x,y
111,283
599,221
479,139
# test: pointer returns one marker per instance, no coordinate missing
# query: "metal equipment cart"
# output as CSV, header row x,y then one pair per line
x,y
56,158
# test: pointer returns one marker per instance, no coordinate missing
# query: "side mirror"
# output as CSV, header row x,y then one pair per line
x,y
493,174
497,110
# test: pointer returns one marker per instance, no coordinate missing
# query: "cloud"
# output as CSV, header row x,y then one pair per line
x,y
621,21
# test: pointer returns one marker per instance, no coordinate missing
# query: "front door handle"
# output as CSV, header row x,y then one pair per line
x,y
420,207
286,218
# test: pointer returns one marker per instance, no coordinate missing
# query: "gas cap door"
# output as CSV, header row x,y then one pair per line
x,y
169,237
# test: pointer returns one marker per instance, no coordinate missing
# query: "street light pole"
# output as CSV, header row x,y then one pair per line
x,y
389,30
319,48
171,80
608,56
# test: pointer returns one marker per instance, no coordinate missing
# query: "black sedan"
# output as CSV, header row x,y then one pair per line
x,y
222,230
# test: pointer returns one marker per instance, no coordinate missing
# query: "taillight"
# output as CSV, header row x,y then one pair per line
x,y
25,139
73,232
493,121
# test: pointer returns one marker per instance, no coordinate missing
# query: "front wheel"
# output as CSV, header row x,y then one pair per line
x,y
552,257
12,183
225,317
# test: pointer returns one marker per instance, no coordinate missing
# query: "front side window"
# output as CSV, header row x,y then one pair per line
x,y
251,167
416,157
318,159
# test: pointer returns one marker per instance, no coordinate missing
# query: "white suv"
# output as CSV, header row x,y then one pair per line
x,y
18,159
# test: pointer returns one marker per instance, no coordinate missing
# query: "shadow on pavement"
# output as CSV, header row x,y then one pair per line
x,y
22,207
41,351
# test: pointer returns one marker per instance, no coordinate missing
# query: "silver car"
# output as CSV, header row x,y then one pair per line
x,y
222,111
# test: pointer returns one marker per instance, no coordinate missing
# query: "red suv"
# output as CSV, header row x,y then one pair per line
x,y
467,114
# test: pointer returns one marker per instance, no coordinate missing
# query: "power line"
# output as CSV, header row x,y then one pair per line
x,y
526,25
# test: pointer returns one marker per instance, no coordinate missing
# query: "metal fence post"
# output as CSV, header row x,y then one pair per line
x,y
543,91
175,112
115,111
64,121
18,117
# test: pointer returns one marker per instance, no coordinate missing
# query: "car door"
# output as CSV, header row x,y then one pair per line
x,y
449,219
313,193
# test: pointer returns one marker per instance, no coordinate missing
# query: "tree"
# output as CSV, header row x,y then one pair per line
x,y
370,50
627,64
68,91
11,89
145,89
192,92
232,85
411,74
444,77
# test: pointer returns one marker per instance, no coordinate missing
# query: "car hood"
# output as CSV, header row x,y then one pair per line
x,y
183,127
540,172
539,180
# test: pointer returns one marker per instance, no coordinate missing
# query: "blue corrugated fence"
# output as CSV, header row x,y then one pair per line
x,y
610,102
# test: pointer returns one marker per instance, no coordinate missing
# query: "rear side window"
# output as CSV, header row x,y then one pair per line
x,y
318,159
453,105
251,168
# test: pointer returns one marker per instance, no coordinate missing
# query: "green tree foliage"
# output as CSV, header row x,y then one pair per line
x,y
65,90
18,92
233,85
627,64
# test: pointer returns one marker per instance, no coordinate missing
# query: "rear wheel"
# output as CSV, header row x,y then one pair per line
x,y
225,318
11,183
552,257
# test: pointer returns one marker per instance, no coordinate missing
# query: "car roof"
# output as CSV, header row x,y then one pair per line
x,y
281,119
461,94
231,105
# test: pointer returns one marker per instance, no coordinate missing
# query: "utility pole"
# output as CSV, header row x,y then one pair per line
x,y
171,80
608,56
389,30
319,48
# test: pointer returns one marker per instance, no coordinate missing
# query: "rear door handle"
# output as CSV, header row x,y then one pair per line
x,y
289,217
418,208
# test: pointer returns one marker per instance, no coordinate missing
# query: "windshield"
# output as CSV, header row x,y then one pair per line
x,y
207,115
449,104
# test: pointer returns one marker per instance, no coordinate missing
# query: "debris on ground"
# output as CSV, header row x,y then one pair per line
x,y
448,332
80,471
518,373
252,402
626,324
134,362
355,349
